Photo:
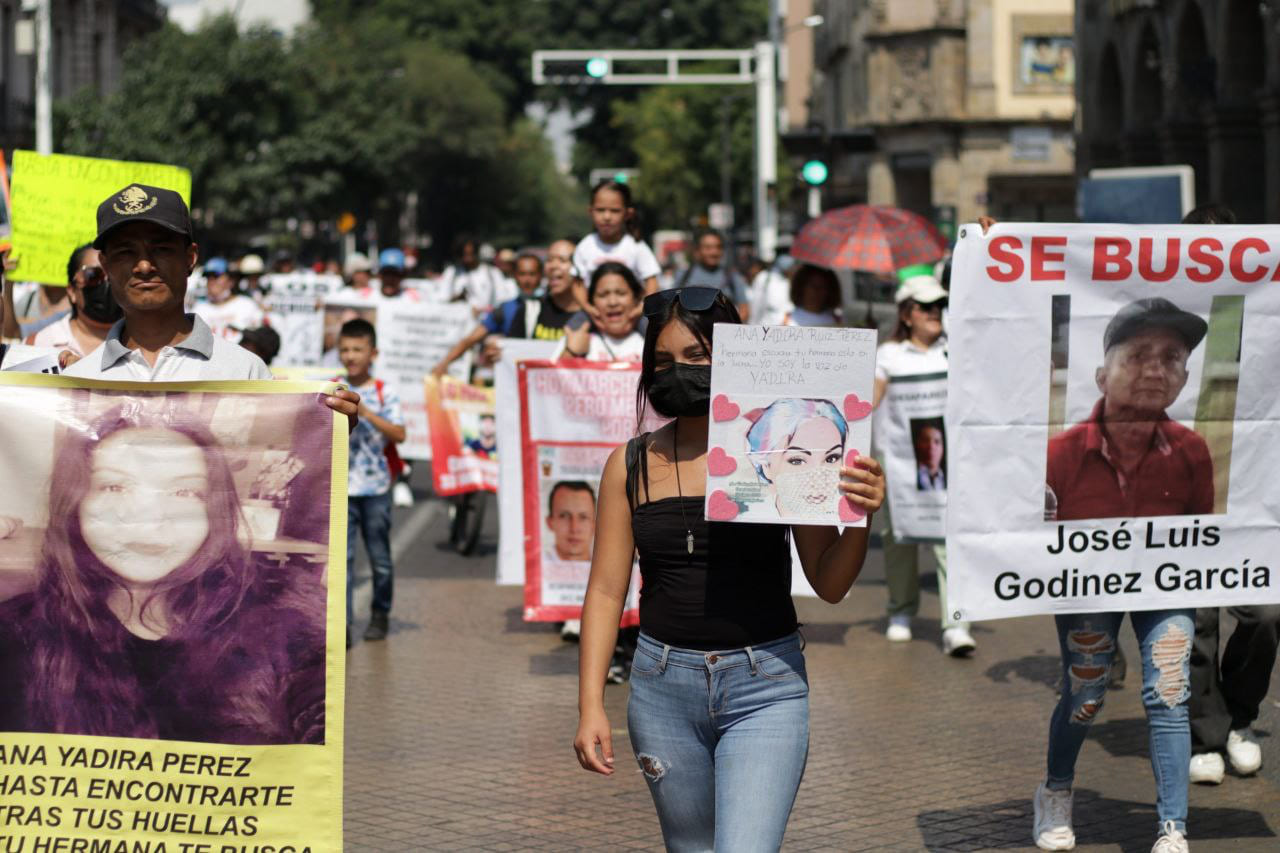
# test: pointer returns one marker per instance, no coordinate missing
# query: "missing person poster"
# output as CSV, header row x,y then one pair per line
x,y
294,304
171,616
913,434
464,436
790,405
413,337
572,416
1113,412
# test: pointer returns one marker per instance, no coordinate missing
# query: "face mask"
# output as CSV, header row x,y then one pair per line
x,y
682,390
100,305
808,492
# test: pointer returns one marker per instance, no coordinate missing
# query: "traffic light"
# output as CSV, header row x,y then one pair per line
x,y
597,67
622,177
814,173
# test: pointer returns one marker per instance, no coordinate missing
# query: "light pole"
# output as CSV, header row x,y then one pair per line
x,y
44,92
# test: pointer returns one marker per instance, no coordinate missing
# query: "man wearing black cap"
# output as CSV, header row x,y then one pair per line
x,y
1129,459
147,249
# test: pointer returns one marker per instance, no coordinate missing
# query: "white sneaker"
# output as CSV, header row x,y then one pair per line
x,y
401,494
1207,768
899,630
1052,829
1244,752
958,642
570,630
1170,840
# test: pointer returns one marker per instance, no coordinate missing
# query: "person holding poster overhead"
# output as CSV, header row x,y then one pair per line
x,y
719,706
918,347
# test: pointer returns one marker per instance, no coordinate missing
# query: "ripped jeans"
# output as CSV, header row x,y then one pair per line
x,y
1088,644
722,739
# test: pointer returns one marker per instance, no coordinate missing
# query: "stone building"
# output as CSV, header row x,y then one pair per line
x,y
1192,82
89,39
966,107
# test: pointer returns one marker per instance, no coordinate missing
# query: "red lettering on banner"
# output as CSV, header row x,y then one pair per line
x,y
1003,250
1238,272
1146,246
1110,259
1040,255
1201,252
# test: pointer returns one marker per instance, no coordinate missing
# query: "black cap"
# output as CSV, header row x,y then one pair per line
x,y
1154,313
141,203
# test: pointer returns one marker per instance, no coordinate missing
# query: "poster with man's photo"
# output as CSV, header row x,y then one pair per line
x,y
464,436
914,438
790,406
171,614
1112,413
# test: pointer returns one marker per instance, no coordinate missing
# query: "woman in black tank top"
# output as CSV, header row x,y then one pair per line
x,y
718,711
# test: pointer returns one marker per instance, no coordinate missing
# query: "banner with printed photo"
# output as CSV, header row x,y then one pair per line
x,y
915,442
789,406
572,416
294,304
1113,414
464,437
413,337
172,608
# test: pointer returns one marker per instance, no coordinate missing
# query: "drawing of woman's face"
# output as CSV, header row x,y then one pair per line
x,y
806,473
145,512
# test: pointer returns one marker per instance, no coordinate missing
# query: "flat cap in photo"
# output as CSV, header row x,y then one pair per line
x,y
1154,313
141,203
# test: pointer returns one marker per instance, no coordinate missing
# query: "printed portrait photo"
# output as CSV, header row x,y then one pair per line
x,y
929,442
1044,56
337,314
163,566
1141,406
568,487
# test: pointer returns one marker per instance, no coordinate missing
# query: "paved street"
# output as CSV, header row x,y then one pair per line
x,y
459,732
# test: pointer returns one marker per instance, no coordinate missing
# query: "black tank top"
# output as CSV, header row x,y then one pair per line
x,y
734,590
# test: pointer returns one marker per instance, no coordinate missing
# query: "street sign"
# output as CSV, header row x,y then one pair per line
x,y
814,173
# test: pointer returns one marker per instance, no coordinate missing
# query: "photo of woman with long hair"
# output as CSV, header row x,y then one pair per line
x,y
149,617
718,713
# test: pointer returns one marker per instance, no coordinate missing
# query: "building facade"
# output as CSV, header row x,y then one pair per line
x,y
1195,82
89,40
949,108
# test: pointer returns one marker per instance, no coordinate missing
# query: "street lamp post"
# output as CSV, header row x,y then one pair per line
x,y
44,93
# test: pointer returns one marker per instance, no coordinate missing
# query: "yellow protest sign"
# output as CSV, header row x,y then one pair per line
x,y
54,204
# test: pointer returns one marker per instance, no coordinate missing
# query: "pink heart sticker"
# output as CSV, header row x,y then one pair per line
x,y
850,457
720,508
720,464
854,408
723,409
850,512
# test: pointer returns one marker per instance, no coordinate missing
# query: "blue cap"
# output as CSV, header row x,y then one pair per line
x,y
391,259
215,266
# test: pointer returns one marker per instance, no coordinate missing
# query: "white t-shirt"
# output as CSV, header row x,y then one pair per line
x,y
770,301
801,317
375,294
58,336
484,288
604,347
592,252
230,319
202,356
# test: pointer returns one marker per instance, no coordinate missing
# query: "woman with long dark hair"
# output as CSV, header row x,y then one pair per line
x,y
149,619
719,707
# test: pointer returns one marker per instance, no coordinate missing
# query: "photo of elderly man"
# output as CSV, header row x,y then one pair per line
x,y
1129,459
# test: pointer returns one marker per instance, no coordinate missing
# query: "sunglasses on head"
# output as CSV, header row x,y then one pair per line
x,y
692,298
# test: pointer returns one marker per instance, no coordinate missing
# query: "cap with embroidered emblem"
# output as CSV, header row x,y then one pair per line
x,y
141,203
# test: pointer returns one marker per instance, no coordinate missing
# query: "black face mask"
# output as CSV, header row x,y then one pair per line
x,y
682,390
99,304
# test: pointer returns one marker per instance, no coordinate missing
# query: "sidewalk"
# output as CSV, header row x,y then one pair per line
x,y
460,728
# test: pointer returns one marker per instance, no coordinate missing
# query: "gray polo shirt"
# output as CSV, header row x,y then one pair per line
x,y
201,357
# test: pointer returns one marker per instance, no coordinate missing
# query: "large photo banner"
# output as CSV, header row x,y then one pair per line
x,y
171,615
1113,415
464,436
914,439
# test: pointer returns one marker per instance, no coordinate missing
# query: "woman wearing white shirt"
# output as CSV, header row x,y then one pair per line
x,y
615,291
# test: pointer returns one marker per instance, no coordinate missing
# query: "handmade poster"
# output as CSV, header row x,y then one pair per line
x,y
294,304
572,416
914,437
413,337
464,436
172,611
54,204
1112,415
789,406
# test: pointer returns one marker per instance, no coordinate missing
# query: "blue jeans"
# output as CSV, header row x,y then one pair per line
x,y
722,739
371,517
1088,644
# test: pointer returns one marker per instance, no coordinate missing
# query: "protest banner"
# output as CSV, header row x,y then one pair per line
x,y
1112,414
913,439
172,609
24,358
572,416
464,436
413,337
55,200
294,307
789,406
